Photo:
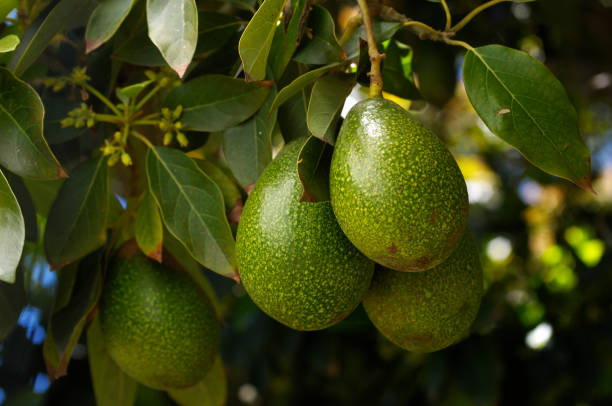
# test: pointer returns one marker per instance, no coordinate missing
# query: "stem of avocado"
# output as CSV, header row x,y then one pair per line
x,y
376,83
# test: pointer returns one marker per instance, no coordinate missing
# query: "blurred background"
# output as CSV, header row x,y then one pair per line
x,y
543,335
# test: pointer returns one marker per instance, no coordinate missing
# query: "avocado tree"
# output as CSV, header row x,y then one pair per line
x,y
133,129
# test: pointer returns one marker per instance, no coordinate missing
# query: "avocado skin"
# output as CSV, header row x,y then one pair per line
x,y
294,261
158,324
395,189
428,311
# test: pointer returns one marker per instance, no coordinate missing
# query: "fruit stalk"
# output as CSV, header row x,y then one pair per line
x,y
376,83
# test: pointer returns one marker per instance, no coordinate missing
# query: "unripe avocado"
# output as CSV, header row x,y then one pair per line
x,y
158,324
294,261
395,189
430,310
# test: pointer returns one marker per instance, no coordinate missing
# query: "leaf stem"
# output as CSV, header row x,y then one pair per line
x,y
108,118
101,97
350,29
459,44
421,28
474,13
145,122
142,138
147,97
376,83
447,27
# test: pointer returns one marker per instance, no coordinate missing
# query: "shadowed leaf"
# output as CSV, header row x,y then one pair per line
x,y
23,150
77,218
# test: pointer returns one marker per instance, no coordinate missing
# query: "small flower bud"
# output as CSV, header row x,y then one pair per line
x,y
90,122
182,139
113,160
167,138
176,114
126,159
67,122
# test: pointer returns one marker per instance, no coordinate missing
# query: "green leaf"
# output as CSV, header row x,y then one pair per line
x,y
112,387
248,147
292,117
382,31
210,391
77,218
520,100
229,190
323,47
216,102
56,109
149,230
397,71
313,165
12,301
132,43
215,30
9,43
105,21
256,40
132,91
192,208
35,40
26,204
12,232
66,280
66,325
287,39
173,28
23,150
300,83
326,100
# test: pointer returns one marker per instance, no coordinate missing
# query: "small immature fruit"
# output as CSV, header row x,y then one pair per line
x,y
430,310
158,324
294,261
396,190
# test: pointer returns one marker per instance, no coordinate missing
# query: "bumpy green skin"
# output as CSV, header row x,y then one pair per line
x,y
395,189
294,261
158,325
428,311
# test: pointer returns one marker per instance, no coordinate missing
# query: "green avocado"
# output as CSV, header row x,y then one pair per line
x,y
158,324
395,189
430,310
293,259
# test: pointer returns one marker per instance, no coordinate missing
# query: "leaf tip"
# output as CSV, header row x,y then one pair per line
x,y
156,254
61,173
235,276
180,69
585,183
92,45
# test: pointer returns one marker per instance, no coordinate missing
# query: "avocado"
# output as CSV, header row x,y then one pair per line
x,y
293,259
395,189
158,324
430,310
